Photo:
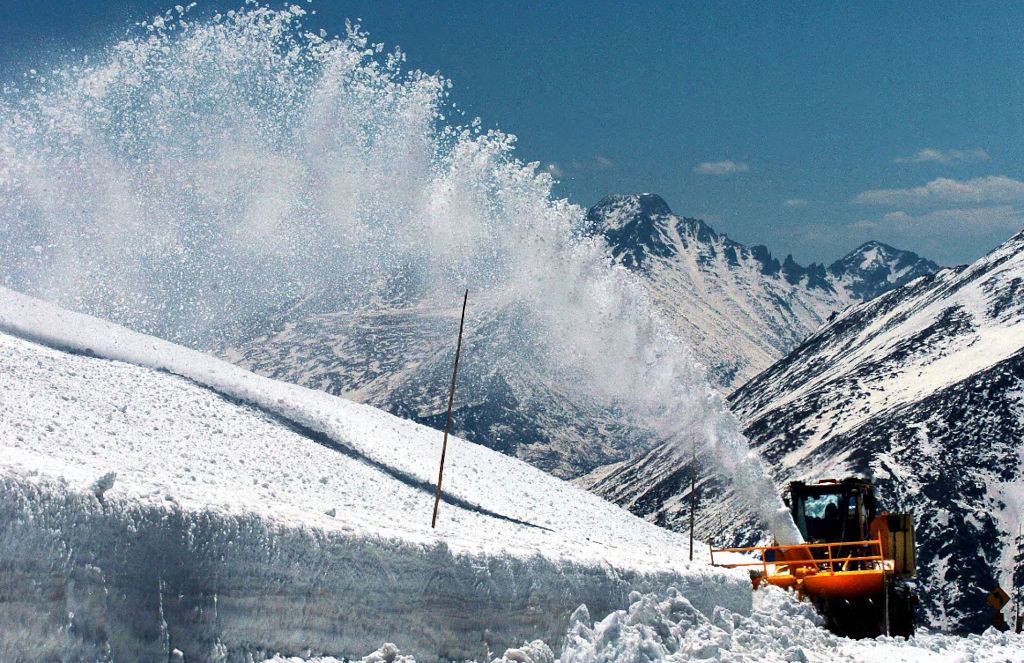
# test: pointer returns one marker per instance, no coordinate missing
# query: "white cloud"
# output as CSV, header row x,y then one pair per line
x,y
945,157
795,202
555,170
721,168
592,163
991,189
1003,218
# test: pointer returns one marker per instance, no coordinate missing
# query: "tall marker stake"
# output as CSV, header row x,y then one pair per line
x,y
1017,625
693,498
448,420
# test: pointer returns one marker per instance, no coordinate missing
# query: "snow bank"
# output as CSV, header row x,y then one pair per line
x,y
84,580
203,509
665,627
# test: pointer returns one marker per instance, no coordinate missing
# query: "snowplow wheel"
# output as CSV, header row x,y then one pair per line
x,y
852,618
901,610
865,617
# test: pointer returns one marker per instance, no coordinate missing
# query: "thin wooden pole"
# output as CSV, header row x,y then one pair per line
x,y
1016,589
693,498
885,583
448,420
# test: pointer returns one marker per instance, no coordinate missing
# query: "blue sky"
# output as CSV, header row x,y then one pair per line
x,y
808,127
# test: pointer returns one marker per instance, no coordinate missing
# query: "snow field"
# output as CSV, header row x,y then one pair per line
x,y
991,338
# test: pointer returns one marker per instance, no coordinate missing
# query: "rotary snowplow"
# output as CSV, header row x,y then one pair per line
x,y
854,565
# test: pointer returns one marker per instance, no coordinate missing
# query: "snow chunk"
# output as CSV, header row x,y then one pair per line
x,y
785,530
103,484
388,653
534,652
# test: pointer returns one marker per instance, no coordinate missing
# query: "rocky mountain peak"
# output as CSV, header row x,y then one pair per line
x,y
635,226
628,206
875,267
638,226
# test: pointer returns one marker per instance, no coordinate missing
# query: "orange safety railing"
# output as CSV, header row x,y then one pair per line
x,y
826,563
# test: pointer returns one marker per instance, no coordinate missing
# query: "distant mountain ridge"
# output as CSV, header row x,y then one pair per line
x,y
874,268
739,306
400,359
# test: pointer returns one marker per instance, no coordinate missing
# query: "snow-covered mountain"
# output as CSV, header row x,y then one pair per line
x,y
740,307
874,268
922,390
399,357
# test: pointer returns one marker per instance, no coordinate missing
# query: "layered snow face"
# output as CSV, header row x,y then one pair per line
x,y
201,508
741,308
134,581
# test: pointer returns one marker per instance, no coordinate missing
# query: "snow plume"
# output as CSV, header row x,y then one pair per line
x,y
203,176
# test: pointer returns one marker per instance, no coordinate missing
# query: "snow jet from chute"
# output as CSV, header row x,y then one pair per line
x,y
206,173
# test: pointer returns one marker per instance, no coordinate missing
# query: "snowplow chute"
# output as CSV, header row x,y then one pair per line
x,y
828,570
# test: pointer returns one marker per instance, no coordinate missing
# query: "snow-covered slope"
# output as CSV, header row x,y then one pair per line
x,y
740,308
921,389
154,498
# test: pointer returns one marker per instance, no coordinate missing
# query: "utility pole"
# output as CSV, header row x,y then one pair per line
x,y
448,420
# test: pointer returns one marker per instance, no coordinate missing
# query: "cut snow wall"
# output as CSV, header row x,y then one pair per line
x,y
85,581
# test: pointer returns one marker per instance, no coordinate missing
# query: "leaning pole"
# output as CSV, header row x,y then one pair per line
x,y
448,419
